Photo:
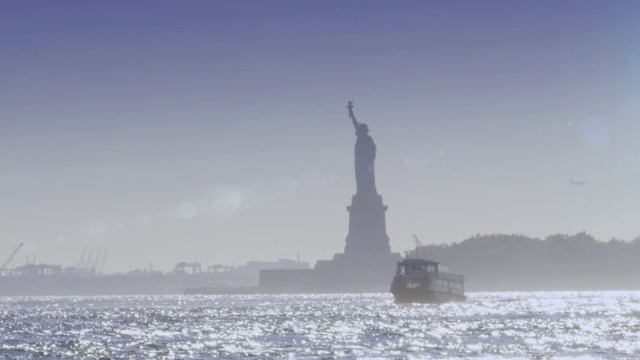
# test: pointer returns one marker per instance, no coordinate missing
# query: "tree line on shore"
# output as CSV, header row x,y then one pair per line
x,y
503,262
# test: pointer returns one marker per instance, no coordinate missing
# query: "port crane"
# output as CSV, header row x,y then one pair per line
x,y
10,258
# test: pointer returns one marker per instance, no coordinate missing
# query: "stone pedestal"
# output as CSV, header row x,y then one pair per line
x,y
367,225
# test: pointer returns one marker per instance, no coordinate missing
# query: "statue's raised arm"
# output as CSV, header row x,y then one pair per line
x,y
365,155
351,116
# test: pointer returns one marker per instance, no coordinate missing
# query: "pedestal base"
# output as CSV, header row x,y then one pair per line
x,y
367,226
345,273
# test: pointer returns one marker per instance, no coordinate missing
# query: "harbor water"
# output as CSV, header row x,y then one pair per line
x,y
489,325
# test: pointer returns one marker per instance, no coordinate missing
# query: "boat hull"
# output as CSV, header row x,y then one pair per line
x,y
407,290
425,296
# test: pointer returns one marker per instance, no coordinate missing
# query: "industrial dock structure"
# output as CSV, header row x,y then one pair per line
x,y
86,277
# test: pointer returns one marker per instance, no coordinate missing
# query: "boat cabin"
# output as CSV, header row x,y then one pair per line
x,y
426,281
418,267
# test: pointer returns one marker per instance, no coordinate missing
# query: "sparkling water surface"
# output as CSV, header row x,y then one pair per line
x,y
489,325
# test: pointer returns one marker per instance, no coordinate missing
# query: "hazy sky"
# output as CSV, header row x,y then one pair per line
x,y
218,131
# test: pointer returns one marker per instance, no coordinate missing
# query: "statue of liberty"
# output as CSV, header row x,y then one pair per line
x,y
365,155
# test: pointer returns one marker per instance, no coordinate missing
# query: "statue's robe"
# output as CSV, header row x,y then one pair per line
x,y
365,155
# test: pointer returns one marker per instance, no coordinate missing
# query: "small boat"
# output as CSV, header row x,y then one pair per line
x,y
426,281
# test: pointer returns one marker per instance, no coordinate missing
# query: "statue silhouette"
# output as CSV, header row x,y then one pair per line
x,y
365,155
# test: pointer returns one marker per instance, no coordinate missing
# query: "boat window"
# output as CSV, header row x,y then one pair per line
x,y
414,269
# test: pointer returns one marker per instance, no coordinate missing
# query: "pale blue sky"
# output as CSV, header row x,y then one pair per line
x,y
174,131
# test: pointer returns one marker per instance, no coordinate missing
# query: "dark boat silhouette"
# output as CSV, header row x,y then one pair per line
x,y
426,281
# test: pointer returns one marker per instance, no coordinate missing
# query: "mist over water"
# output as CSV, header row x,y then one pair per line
x,y
488,325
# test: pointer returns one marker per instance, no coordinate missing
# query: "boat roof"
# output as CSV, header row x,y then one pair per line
x,y
416,261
